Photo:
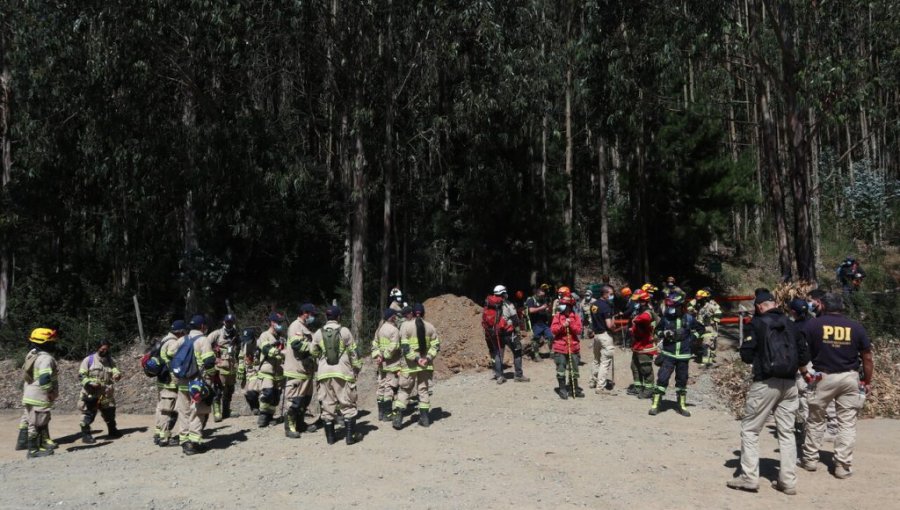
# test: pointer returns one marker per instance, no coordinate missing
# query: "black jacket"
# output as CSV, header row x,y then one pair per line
x,y
751,350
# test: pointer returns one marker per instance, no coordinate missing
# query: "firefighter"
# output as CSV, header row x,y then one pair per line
x,y
419,345
676,330
339,364
299,370
247,369
709,314
167,389
386,353
271,371
194,398
566,328
643,348
40,389
97,374
226,344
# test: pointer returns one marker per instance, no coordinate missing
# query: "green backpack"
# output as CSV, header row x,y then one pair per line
x,y
331,339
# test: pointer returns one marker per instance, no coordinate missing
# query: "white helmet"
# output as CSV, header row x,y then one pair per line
x,y
499,290
395,292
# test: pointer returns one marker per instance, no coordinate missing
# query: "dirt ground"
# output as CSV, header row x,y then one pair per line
x,y
516,446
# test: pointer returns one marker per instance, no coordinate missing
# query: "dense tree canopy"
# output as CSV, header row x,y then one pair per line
x,y
270,152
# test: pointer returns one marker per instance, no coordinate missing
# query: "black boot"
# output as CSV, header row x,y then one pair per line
x,y
109,416
252,401
424,418
350,426
263,420
383,410
579,393
86,436
34,447
46,442
22,440
190,448
397,421
329,432
290,425
561,389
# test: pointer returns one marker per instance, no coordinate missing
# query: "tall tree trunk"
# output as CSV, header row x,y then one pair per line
x,y
772,167
604,206
358,233
570,198
5,176
389,162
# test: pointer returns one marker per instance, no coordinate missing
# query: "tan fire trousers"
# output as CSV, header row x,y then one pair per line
x,y
190,425
843,389
603,356
165,409
336,395
779,395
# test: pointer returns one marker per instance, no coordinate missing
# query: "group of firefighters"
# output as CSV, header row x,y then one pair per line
x,y
197,372
665,328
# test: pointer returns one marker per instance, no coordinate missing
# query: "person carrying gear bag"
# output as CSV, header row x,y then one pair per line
x,y
339,363
193,364
419,345
676,331
836,344
97,374
271,372
566,328
776,350
166,415
539,313
40,390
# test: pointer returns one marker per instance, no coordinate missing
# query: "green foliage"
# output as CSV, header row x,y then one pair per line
x,y
869,199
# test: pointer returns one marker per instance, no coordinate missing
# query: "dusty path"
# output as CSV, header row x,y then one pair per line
x,y
515,445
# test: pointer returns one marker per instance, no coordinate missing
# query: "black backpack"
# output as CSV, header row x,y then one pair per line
x,y
779,348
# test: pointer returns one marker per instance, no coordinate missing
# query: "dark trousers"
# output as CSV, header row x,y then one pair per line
x,y
515,346
669,365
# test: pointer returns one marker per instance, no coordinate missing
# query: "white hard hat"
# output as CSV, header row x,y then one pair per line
x,y
499,289
396,292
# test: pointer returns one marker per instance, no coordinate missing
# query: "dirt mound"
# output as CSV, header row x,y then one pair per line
x,y
458,323
135,393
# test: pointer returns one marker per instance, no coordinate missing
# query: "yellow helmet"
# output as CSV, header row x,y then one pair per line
x,y
702,294
42,336
649,288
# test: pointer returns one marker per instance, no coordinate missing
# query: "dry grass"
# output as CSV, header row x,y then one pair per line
x,y
732,378
785,292
884,401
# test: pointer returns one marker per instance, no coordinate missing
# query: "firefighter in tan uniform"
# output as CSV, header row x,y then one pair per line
x,y
386,353
419,344
39,391
271,371
194,400
226,344
167,389
248,368
339,363
98,373
299,370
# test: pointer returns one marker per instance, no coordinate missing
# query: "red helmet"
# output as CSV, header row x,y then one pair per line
x,y
564,291
641,295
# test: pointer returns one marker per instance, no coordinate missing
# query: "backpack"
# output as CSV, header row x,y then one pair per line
x,y
492,319
331,339
779,349
184,363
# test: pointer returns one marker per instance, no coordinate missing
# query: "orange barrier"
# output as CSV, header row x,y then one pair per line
x,y
734,320
723,299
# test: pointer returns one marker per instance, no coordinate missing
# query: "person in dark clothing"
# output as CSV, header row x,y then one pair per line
x,y
773,389
850,274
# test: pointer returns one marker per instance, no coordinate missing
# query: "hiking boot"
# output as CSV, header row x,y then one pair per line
x,y
34,448
790,491
86,436
501,380
646,393
522,378
397,421
163,442
156,440
632,390
329,432
22,440
382,411
350,427
112,431
561,388
809,465
424,418
579,393
263,420
609,385
742,484
46,442
842,472
190,448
